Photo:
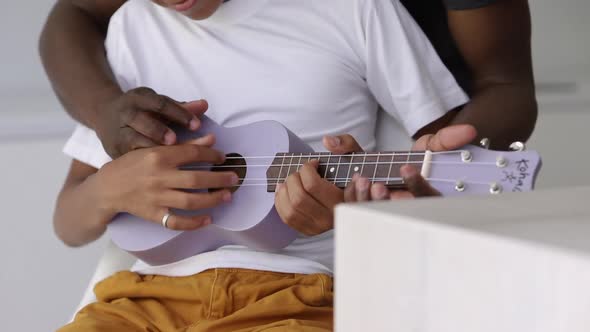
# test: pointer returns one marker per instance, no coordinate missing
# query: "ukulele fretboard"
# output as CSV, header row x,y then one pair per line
x,y
383,167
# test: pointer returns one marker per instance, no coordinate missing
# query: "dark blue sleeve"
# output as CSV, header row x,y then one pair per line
x,y
467,4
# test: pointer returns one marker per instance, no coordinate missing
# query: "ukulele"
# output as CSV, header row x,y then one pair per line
x,y
272,152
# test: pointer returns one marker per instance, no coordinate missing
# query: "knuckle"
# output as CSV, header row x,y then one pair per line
x,y
194,181
195,151
153,158
142,91
298,200
129,115
173,223
311,185
161,102
187,202
290,217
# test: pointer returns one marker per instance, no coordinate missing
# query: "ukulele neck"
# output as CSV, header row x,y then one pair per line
x,y
383,167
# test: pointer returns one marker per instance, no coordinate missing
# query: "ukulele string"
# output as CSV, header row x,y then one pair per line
x,y
343,164
360,154
263,182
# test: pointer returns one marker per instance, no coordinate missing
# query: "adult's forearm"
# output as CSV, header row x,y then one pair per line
x,y
504,113
73,53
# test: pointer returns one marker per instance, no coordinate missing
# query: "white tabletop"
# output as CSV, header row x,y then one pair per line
x,y
516,262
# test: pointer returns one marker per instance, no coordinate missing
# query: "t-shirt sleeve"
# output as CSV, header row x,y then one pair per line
x,y
85,147
403,71
467,4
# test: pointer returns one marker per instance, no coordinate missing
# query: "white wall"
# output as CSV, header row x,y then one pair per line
x,y
43,279
561,47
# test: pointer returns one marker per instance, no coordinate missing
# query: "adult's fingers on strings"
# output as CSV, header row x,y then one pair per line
x,y
415,183
362,189
378,191
350,190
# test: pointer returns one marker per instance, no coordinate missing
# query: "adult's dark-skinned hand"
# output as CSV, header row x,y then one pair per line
x,y
142,118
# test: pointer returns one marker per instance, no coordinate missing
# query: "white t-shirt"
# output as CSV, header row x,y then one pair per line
x,y
320,67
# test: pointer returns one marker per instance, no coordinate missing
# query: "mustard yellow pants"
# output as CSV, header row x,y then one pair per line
x,y
215,300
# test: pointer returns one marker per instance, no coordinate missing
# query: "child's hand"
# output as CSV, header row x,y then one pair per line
x,y
306,201
147,183
137,119
448,138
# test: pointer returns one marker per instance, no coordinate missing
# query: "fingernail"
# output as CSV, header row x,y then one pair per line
x,y
333,141
206,221
169,137
355,177
194,124
362,184
226,197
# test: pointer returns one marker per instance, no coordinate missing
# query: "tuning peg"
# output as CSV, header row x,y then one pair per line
x,y
517,146
485,143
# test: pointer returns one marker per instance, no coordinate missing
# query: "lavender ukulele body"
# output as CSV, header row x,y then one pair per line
x,y
266,153
250,219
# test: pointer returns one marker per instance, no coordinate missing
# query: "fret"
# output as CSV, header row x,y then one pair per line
x,y
284,169
330,169
399,159
299,164
369,166
336,178
373,178
348,177
323,157
343,170
289,168
363,164
390,166
312,156
356,163
384,167
274,171
416,159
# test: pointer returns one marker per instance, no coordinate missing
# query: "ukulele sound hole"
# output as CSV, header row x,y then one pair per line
x,y
234,162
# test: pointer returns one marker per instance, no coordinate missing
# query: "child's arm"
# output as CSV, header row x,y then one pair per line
x,y
72,49
145,183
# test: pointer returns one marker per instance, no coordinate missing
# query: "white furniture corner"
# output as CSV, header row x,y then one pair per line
x,y
512,263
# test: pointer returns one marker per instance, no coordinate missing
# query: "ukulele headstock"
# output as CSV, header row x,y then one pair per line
x,y
477,170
